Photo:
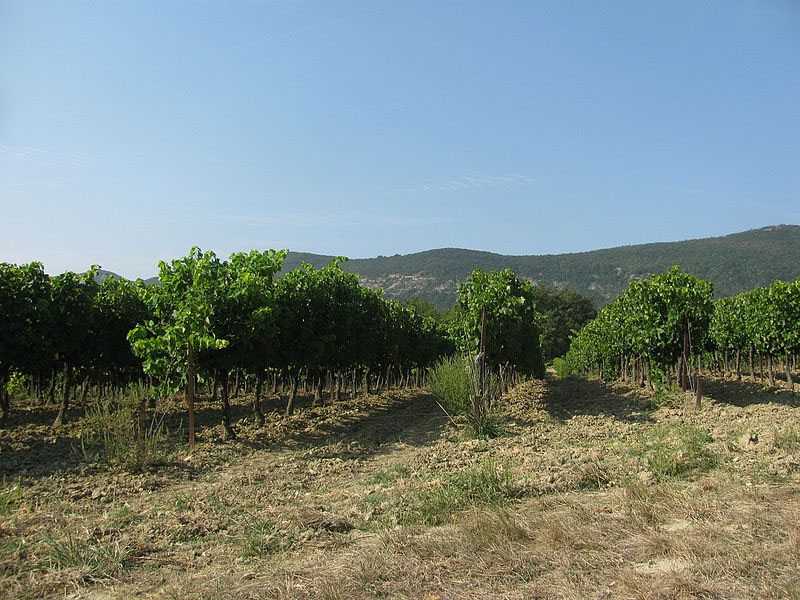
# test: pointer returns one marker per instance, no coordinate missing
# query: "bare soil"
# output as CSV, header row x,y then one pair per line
x,y
594,490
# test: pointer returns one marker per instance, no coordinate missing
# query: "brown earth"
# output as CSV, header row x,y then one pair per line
x,y
594,491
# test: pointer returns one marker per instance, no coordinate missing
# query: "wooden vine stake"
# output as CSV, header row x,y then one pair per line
x,y
479,399
483,352
698,393
190,379
141,442
685,362
698,381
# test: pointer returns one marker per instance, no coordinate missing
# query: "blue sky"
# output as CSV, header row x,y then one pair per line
x,y
132,130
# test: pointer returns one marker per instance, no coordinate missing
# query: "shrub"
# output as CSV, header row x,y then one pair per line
x,y
451,383
455,381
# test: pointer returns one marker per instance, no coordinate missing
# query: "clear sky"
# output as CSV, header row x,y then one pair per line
x,y
132,130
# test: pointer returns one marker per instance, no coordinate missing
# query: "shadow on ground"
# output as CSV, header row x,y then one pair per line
x,y
746,393
576,396
31,447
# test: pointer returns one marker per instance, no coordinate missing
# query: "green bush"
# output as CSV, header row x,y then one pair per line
x,y
450,382
455,381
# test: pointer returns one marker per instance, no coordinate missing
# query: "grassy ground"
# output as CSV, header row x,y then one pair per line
x,y
593,491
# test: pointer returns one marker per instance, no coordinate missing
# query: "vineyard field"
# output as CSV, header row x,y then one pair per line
x,y
229,433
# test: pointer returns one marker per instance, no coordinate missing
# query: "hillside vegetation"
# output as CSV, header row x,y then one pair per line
x,y
734,263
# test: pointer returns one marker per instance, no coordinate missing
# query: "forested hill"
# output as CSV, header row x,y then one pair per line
x,y
734,263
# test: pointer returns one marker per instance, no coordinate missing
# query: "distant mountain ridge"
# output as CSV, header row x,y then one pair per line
x,y
734,263
103,273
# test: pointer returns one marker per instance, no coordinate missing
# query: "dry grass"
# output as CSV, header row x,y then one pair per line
x,y
592,493
570,547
